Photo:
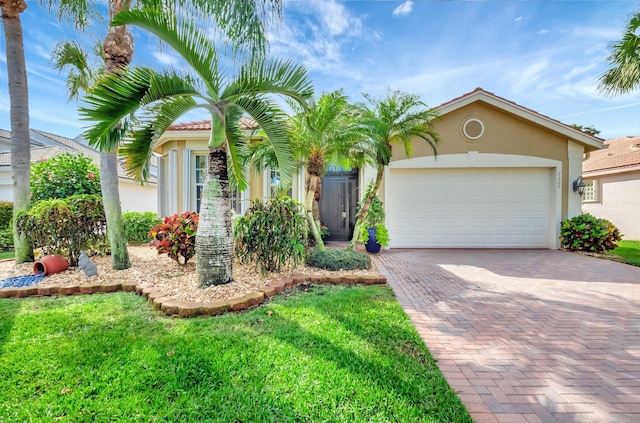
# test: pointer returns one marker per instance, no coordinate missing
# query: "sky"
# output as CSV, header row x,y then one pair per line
x,y
543,55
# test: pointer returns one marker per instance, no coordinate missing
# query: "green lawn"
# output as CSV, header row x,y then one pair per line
x,y
333,354
628,251
6,255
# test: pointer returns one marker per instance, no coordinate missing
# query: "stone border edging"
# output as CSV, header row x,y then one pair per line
x,y
174,307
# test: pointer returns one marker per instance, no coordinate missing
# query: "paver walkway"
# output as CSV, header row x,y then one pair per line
x,y
527,336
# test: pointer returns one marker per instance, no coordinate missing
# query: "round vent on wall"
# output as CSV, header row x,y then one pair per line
x,y
473,128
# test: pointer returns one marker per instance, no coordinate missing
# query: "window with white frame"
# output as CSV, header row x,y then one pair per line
x,y
590,191
199,167
272,184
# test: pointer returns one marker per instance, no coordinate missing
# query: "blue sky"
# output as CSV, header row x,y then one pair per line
x,y
544,55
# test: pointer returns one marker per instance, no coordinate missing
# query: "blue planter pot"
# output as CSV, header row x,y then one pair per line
x,y
372,245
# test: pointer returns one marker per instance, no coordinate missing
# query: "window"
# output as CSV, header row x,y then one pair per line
x,y
589,191
201,171
272,184
236,198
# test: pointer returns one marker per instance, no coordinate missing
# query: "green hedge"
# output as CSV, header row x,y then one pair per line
x,y
137,226
338,259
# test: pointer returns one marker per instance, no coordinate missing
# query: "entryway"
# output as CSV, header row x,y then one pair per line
x,y
339,202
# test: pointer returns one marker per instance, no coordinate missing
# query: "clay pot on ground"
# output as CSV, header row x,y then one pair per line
x,y
50,264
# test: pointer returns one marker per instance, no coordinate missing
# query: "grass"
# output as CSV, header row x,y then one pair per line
x,y
7,255
332,354
628,252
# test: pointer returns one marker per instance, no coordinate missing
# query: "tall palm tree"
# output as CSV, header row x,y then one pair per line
x,y
133,107
19,115
624,74
398,117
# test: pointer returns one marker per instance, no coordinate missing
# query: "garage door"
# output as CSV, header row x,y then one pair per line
x,y
470,208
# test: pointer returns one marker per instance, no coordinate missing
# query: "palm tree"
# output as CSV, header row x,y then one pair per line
x,y
322,132
398,117
624,74
131,108
19,115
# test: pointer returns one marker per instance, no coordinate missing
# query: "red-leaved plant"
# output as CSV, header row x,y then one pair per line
x,y
176,236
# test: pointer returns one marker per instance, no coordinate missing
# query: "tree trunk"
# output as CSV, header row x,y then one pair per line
x,y
364,211
113,211
314,224
118,52
214,241
19,115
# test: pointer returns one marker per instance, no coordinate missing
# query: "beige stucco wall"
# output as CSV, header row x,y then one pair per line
x,y
503,134
198,144
617,200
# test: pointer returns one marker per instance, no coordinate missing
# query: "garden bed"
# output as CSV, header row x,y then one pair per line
x,y
175,281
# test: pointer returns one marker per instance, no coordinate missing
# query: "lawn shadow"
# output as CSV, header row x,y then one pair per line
x,y
9,309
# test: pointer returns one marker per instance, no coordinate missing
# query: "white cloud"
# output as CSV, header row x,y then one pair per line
x,y
165,58
518,19
543,32
336,18
404,9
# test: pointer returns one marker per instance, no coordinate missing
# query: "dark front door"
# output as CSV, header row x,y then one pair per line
x,y
338,203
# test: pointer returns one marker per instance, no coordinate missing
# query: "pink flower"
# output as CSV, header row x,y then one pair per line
x,y
91,175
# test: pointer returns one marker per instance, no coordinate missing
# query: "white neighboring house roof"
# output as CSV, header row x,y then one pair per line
x,y
45,145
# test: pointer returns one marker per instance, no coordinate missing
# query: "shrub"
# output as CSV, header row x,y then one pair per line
x,y
588,233
176,236
272,233
6,240
64,175
338,258
137,226
65,226
6,213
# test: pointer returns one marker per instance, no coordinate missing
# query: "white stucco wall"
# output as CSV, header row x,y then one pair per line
x,y
618,200
134,197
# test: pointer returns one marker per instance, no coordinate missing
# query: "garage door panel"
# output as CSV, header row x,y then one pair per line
x,y
467,208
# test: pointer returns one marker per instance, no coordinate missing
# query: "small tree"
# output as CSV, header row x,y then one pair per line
x,y
64,175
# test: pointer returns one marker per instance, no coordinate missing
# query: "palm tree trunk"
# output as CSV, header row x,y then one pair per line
x,y
19,115
118,52
113,211
314,224
214,241
364,211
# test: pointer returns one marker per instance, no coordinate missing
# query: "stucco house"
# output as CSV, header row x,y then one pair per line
x,y
503,178
612,179
44,145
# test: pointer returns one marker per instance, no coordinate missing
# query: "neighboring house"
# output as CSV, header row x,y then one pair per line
x,y
503,178
133,196
612,178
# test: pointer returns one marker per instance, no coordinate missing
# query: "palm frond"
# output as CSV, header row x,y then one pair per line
x,y
278,77
237,149
624,74
191,43
138,146
274,123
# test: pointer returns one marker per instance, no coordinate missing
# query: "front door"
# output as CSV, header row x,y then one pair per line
x,y
338,203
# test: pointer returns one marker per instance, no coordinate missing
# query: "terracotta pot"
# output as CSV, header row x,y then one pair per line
x,y
50,264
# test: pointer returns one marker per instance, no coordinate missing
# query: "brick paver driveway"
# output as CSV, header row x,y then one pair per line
x,y
527,336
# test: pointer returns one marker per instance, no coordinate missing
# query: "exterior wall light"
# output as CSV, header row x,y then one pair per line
x,y
578,186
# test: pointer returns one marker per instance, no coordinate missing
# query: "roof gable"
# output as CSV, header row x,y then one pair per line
x,y
589,141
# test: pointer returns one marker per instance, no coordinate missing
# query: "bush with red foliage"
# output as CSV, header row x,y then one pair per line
x,y
176,236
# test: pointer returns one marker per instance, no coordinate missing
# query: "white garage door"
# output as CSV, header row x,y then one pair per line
x,y
470,208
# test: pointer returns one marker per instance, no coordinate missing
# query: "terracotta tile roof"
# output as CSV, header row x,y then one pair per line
x,y
205,125
516,105
617,154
